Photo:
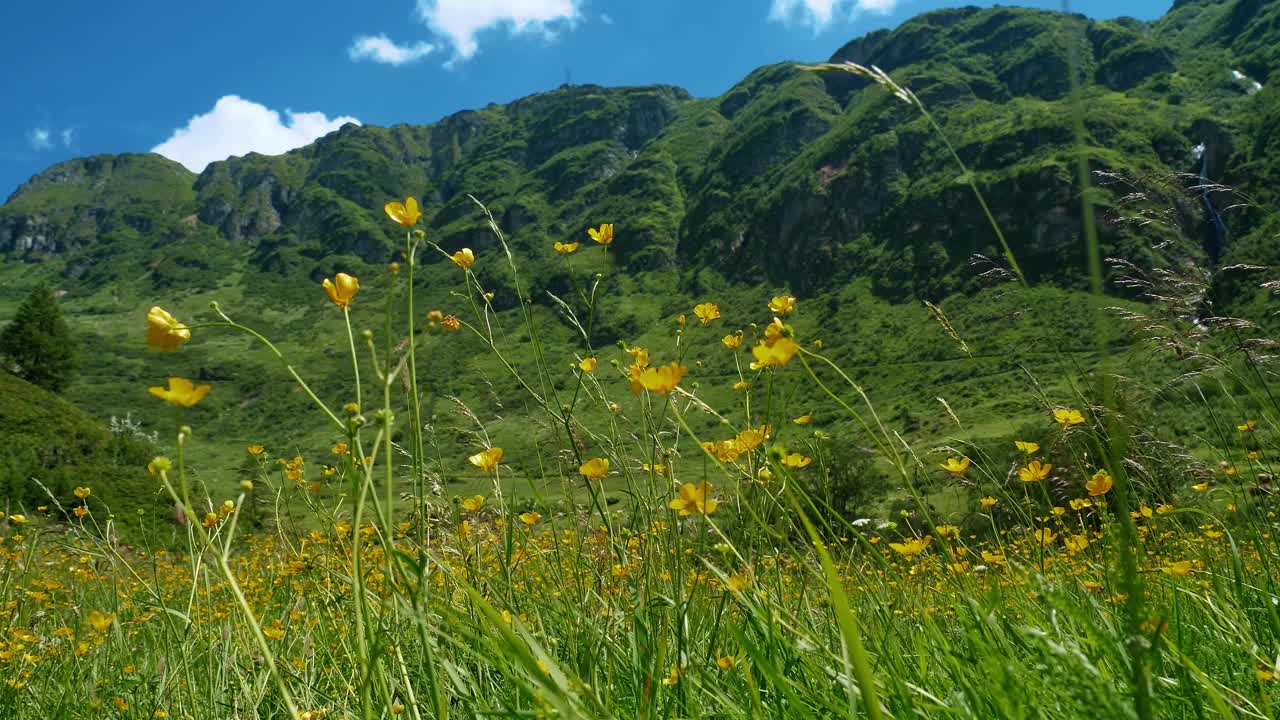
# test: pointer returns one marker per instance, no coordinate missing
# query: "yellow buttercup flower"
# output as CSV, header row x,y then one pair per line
x,y
181,392
734,341
567,248
725,662
164,332
1067,417
1100,484
1034,472
1027,447
1077,543
1247,426
1177,569
473,503
956,466
912,547
662,379
604,235
487,459
82,492
694,500
406,214
1202,487
588,365
707,312
530,518
595,468
803,420
342,289
1079,504
255,450
100,621
782,304
988,502
464,258
1044,536
796,461
774,354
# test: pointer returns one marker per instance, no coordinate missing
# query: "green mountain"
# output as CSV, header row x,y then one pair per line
x,y
817,183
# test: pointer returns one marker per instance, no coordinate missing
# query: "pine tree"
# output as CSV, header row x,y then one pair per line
x,y
37,346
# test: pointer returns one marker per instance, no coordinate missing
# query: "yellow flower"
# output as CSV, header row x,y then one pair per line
x,y
181,392
1202,487
595,468
451,323
803,420
210,519
1100,484
782,304
947,531
796,461
1077,543
662,379
18,519
464,258
588,365
1247,426
734,341
1177,569
956,466
159,464
1034,472
473,503
82,492
1027,447
406,214
912,547
81,511
1067,417
487,459
604,235
273,633
741,385
725,662
1044,536
739,582
707,312
566,248
339,449
693,500
255,450
530,518
164,332
774,354
1164,509
988,502
1079,504
342,289
1264,675
100,621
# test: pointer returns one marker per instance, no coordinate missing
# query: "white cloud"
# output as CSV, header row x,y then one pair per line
x,y
236,126
820,13
40,138
606,19
68,136
382,49
461,20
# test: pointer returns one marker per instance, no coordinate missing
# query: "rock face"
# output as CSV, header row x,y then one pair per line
x,y
793,177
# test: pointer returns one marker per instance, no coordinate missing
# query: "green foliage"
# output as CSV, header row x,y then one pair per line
x,y
37,345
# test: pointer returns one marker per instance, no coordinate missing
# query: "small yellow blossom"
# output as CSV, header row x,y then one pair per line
x,y
82,492
473,503
694,500
342,289
782,304
566,248
464,258
530,518
1177,569
164,332
707,312
796,461
588,365
486,459
662,379
1027,447
1035,471
406,214
734,341
1247,426
1100,484
604,235
1202,487
988,502
912,547
956,466
255,450
803,420
595,468
774,354
181,392
725,662
1067,417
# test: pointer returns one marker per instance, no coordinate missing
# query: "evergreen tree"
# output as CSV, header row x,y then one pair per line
x,y
37,346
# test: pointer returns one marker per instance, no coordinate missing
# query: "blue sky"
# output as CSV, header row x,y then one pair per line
x,y
198,80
